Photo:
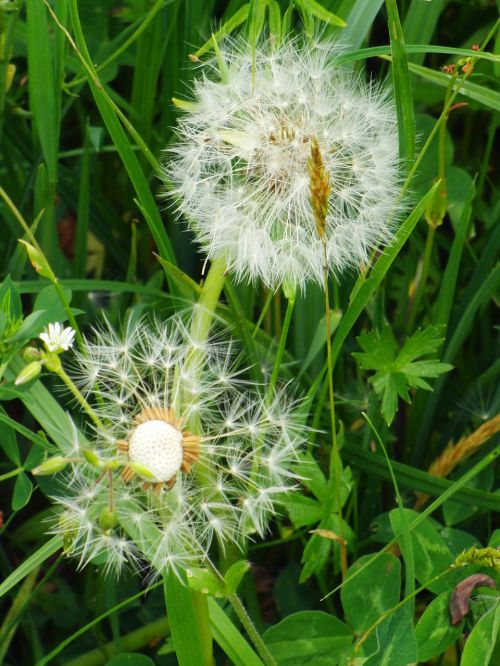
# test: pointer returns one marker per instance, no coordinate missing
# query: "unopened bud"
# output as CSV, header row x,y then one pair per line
x,y
31,354
38,261
141,470
108,519
50,466
29,372
92,458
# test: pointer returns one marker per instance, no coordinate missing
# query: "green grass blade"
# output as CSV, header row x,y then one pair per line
x,y
229,638
420,23
460,332
365,287
415,479
82,630
402,85
447,290
359,18
41,84
32,562
82,216
183,622
490,98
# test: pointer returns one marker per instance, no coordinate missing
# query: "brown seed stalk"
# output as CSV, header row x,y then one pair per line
x,y
455,453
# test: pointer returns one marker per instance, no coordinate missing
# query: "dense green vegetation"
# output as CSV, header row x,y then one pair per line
x,y
373,556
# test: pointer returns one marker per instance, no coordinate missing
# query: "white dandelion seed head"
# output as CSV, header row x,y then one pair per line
x,y
187,453
239,169
57,338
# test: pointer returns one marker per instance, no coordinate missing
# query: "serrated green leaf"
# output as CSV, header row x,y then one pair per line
x,y
303,510
397,372
323,14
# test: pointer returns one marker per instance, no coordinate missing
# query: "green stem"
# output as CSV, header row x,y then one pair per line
x,y
429,245
335,466
61,373
252,632
10,474
208,301
281,345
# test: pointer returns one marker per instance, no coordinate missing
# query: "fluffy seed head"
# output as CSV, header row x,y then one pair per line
x,y
241,172
186,451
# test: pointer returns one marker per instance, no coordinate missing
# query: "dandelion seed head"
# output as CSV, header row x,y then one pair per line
x,y
239,169
179,460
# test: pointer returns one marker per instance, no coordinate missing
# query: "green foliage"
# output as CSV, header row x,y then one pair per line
x,y
86,110
396,369
309,635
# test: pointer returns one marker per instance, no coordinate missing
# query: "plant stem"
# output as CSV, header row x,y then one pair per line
x,y
209,298
252,632
335,467
10,474
281,345
61,373
429,245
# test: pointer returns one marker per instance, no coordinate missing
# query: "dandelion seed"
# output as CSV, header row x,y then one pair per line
x,y
240,167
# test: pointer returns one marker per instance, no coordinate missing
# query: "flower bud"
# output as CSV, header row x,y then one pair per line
x,y
92,458
31,354
29,372
108,519
141,470
38,261
50,466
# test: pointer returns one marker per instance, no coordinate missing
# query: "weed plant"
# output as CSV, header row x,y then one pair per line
x,y
248,354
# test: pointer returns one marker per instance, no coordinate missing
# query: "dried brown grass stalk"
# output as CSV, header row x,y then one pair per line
x,y
455,453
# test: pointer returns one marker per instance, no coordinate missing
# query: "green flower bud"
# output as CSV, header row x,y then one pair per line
x,y
50,466
92,458
38,261
29,372
108,519
31,354
141,470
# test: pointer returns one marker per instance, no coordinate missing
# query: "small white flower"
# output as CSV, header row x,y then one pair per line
x,y
182,459
239,170
57,338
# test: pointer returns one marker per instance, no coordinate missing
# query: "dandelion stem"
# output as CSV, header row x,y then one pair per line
x,y
335,467
281,345
60,372
252,632
320,188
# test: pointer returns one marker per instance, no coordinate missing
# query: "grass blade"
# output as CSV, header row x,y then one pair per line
x,y
365,287
402,85
229,638
32,562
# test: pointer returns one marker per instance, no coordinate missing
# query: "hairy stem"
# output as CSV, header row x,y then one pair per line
x,y
252,632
